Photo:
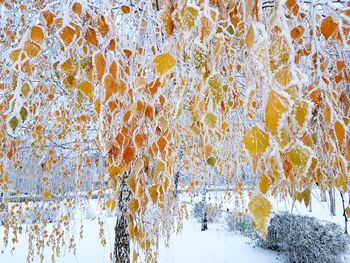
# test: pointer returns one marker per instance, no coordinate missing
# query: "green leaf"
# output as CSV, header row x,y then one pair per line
x,y
25,89
211,161
230,30
24,113
14,123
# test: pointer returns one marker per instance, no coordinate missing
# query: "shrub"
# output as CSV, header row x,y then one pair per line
x,y
305,239
242,224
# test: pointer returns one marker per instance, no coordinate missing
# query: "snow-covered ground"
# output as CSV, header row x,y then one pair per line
x,y
191,245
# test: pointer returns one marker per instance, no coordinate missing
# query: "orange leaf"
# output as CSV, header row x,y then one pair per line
x,y
339,132
128,154
77,8
67,35
100,65
48,16
125,9
110,86
297,31
102,26
328,27
32,49
90,36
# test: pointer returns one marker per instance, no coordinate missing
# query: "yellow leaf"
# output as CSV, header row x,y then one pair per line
x,y
37,34
189,16
87,88
264,184
216,88
133,205
250,38
47,194
301,111
306,194
256,141
111,204
283,76
211,120
276,106
299,157
260,209
154,192
347,211
31,48
164,62
69,67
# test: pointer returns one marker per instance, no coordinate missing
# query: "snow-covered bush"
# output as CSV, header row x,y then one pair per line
x,y
305,239
213,212
242,224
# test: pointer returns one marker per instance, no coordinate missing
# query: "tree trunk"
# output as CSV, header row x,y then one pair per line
x,y
344,214
204,210
122,238
310,204
323,196
332,201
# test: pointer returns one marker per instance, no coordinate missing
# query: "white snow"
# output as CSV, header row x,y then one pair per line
x,y
217,245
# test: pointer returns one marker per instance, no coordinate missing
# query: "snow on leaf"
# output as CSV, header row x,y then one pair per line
x,y
299,157
100,65
216,88
164,62
13,123
154,192
328,27
90,36
260,209
37,34
32,48
256,141
277,106
67,35
86,88
301,111
189,16
102,26
211,120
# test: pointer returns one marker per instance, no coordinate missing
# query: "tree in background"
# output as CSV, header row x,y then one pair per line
x,y
126,85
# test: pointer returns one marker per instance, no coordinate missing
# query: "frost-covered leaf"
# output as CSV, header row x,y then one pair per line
x,y
164,62
277,106
260,209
